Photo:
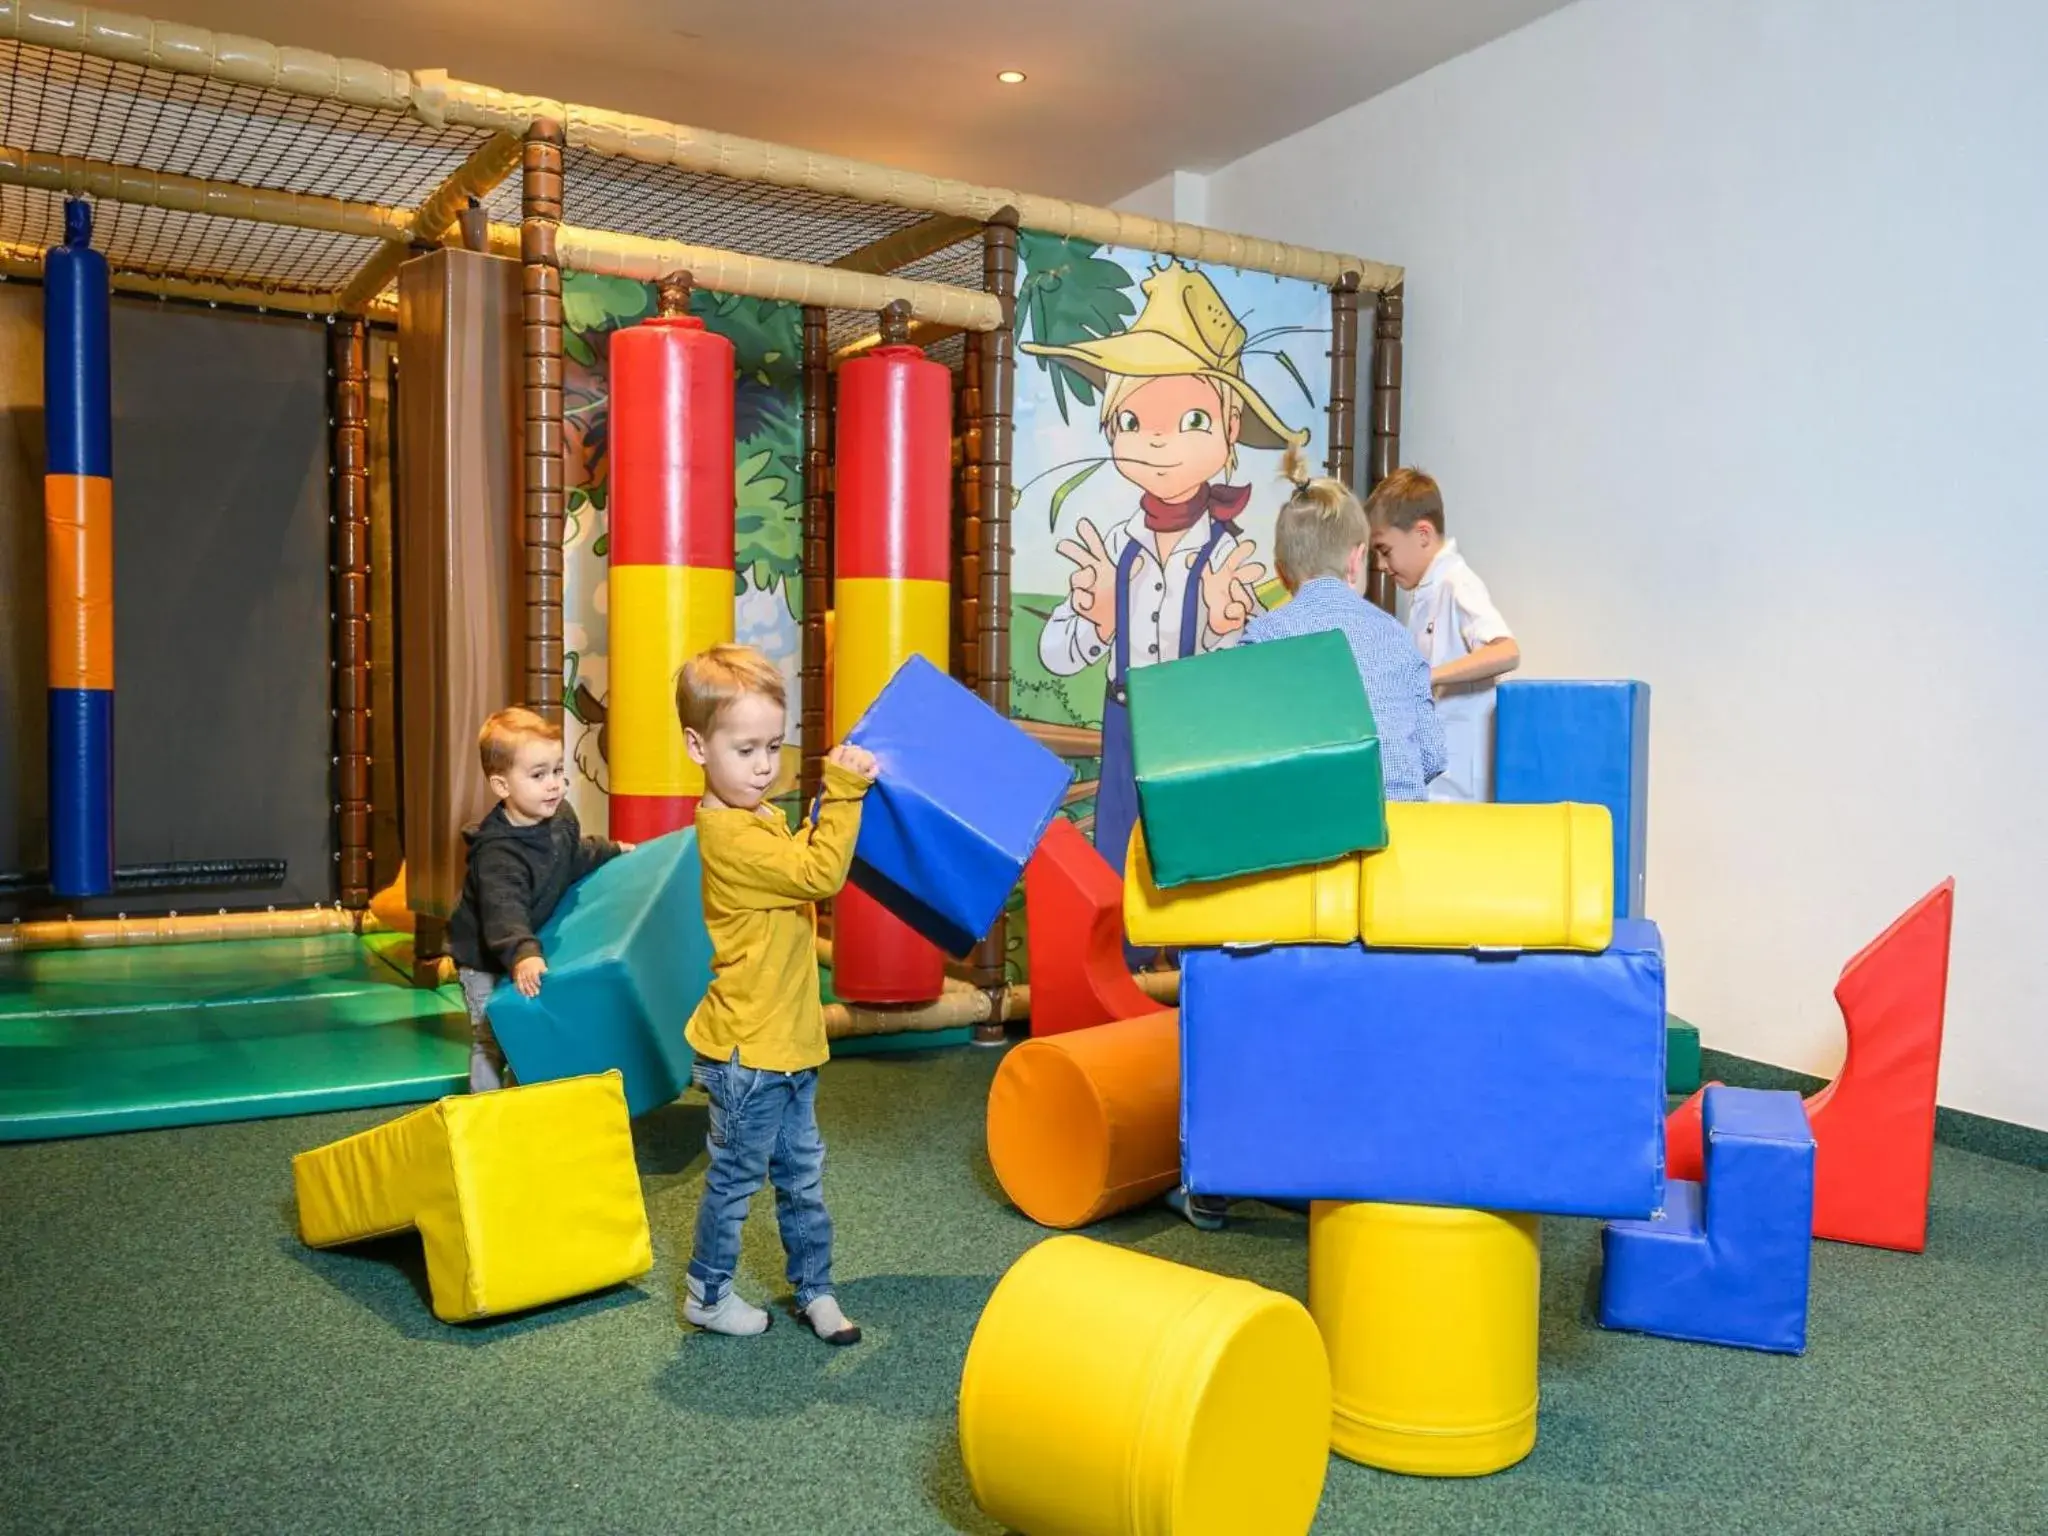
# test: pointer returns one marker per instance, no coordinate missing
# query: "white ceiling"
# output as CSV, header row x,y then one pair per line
x,y
1119,92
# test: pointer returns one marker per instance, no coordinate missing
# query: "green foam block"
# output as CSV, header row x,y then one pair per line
x,y
1681,1056
1261,757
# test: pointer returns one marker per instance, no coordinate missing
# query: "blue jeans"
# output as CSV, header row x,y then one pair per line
x,y
764,1125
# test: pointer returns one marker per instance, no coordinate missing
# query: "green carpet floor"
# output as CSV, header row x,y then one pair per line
x,y
99,1040
174,1360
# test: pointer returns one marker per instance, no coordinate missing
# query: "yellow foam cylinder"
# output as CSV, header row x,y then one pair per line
x,y
1109,1393
1084,1124
1452,876
877,622
1429,1315
1317,904
521,1197
661,616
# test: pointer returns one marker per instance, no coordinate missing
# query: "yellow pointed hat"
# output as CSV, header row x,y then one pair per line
x,y
1184,328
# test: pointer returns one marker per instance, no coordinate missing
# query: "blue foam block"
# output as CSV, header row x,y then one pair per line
x,y
1527,1082
1582,741
1727,1261
963,798
628,959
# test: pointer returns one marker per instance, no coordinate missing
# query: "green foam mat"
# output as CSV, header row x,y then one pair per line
x,y
94,1041
1681,1056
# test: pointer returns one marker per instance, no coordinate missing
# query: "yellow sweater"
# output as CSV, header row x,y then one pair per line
x,y
759,882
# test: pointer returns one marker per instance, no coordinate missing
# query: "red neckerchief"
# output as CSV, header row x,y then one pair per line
x,y
1222,502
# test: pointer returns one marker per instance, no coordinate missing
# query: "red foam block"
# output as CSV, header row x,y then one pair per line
x,y
1074,918
1873,1126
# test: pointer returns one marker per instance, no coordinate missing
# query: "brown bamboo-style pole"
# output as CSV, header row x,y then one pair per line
x,y
998,369
545,489
998,382
349,421
927,237
967,519
1341,462
817,377
175,928
1386,414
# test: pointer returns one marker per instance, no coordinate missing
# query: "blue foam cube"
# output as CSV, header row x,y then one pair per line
x,y
1512,1082
1584,741
628,959
1727,1261
962,800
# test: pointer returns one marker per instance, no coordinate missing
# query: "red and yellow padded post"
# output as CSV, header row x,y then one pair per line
x,y
671,579
78,516
893,595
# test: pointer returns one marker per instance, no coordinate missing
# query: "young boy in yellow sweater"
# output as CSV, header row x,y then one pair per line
x,y
759,1034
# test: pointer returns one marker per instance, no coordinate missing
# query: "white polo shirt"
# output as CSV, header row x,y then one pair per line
x,y
1450,615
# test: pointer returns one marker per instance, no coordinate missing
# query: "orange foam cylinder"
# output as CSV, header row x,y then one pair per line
x,y
892,477
671,576
1085,1124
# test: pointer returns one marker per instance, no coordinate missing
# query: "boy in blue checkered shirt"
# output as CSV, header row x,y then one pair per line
x,y
1322,545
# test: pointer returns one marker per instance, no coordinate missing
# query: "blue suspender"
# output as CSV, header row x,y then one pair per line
x,y
1190,608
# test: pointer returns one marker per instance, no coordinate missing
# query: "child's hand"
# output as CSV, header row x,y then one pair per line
x,y
627,847
854,759
527,973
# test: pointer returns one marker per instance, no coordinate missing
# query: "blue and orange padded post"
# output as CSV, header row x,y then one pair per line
x,y
78,514
893,593
671,580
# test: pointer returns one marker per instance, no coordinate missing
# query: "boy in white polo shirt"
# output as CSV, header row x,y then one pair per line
x,y
1453,621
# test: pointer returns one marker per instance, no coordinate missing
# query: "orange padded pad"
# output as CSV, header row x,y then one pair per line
x,y
1085,1124
78,522
1074,919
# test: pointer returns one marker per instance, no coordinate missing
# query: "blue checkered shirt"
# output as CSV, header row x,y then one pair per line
x,y
1396,676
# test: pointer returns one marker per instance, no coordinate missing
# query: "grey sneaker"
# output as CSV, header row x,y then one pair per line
x,y
733,1315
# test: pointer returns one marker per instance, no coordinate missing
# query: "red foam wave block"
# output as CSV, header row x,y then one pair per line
x,y
1873,1126
1074,920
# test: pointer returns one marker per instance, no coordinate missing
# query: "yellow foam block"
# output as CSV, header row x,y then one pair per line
x,y
1314,905
1109,1393
1452,876
522,1197
1430,1317
1462,876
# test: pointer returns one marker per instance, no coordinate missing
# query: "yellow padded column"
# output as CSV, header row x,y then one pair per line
x,y
521,1197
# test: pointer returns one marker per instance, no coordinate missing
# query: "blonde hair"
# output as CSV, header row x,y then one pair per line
x,y
1405,498
1319,527
713,679
1119,387
498,743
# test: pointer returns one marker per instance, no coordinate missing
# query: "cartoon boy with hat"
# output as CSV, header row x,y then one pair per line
x,y
1177,579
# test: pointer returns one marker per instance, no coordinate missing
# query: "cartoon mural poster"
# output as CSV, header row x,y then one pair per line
x,y
1187,383
768,592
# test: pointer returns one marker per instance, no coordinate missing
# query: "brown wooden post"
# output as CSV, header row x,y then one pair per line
x,y
967,519
998,384
349,371
817,425
1386,414
992,620
1341,462
546,483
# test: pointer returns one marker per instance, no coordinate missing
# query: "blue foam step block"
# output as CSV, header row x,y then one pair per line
x,y
1512,1082
962,800
1587,742
628,959
1727,1261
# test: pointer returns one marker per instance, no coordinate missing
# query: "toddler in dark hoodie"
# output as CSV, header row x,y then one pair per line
x,y
523,858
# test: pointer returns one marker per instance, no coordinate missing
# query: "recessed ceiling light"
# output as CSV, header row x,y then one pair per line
x,y
1011,77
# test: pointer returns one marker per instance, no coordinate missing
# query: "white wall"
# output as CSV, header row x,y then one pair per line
x,y
1726,334
1182,195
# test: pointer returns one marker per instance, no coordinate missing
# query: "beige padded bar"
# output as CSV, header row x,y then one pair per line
x,y
488,164
26,261
195,51
764,277
188,194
